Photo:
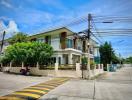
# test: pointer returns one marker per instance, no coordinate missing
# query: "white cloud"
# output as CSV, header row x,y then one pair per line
x,y
2,26
6,3
12,27
5,18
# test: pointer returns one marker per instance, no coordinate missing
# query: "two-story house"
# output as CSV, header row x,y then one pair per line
x,y
68,47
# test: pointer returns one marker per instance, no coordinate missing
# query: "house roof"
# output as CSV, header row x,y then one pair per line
x,y
53,31
47,32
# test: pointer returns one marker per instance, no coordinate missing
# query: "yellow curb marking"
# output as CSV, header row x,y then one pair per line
x,y
10,98
46,85
38,88
26,94
30,90
54,85
42,88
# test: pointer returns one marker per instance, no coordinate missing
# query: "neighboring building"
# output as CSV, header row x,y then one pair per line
x,y
68,48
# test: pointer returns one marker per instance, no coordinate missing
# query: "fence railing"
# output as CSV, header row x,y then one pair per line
x,y
67,67
46,67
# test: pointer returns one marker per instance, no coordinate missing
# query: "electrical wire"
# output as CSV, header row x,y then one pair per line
x,y
101,19
95,28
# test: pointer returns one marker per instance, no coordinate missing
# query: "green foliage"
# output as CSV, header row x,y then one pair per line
x,y
29,52
107,54
84,60
128,60
19,37
97,60
4,60
92,64
115,59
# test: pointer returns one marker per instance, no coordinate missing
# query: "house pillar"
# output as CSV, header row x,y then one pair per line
x,y
56,66
57,60
57,63
102,66
37,66
108,65
10,64
99,66
22,65
70,60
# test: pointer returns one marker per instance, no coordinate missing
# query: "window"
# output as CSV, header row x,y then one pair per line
x,y
79,45
69,43
48,39
91,50
40,40
63,40
33,39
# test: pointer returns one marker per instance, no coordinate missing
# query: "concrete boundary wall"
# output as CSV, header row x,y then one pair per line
x,y
128,65
58,73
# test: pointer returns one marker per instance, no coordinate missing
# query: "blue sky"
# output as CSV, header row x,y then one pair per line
x,y
32,16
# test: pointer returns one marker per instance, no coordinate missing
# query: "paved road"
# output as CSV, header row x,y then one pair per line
x,y
112,86
10,83
36,91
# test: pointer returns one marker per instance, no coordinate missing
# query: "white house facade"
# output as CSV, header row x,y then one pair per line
x,y
68,48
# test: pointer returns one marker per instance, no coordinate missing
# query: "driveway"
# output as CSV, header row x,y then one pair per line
x,y
112,86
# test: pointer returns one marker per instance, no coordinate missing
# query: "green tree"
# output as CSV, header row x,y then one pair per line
x,y
128,60
4,60
107,54
19,37
29,53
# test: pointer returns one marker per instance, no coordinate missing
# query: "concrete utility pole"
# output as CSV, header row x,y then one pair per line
x,y
2,42
88,37
120,59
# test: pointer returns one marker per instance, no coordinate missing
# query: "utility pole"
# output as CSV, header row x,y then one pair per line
x,y
120,60
88,37
2,42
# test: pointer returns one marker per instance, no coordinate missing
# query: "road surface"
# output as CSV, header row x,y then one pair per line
x,y
112,86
